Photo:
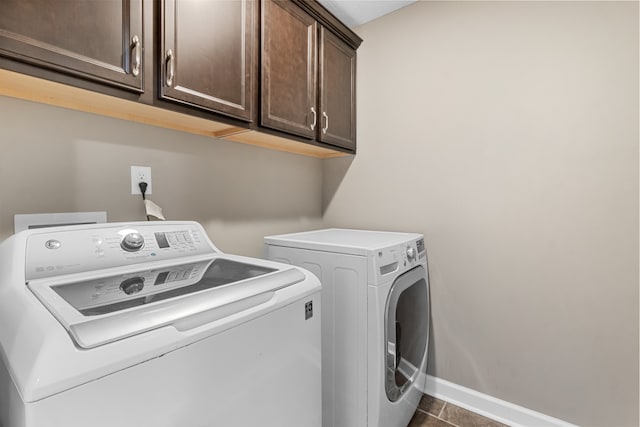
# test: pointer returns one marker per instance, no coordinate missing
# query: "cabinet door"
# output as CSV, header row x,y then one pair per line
x,y
97,40
207,54
337,92
288,69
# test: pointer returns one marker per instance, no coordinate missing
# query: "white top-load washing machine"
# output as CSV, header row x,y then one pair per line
x,y
375,320
149,325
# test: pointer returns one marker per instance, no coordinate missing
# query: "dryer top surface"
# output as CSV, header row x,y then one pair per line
x,y
356,242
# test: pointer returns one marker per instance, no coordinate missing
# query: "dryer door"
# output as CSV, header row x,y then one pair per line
x,y
406,331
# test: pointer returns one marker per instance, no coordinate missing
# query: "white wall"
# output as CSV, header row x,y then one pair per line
x,y
56,160
507,133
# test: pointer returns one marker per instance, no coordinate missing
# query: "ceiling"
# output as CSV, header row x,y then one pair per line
x,y
357,12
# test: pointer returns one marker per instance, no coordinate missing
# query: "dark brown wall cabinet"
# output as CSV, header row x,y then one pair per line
x,y
265,72
95,40
298,96
207,51
289,69
337,91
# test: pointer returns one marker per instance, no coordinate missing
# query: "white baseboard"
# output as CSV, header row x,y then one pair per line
x,y
489,406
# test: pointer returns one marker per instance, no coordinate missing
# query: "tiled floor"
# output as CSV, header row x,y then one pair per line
x,y
434,412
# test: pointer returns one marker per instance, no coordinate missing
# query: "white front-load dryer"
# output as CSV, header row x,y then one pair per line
x,y
375,320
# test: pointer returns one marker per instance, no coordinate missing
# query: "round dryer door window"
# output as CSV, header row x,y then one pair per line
x,y
406,331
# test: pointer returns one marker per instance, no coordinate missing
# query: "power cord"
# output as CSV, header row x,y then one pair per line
x,y
143,189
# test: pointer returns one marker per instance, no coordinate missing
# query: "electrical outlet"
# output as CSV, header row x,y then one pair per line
x,y
140,174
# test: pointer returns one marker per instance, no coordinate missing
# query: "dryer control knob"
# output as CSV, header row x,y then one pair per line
x,y
132,242
411,254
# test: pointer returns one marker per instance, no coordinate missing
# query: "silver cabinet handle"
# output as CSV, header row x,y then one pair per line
x,y
313,125
137,56
170,69
326,122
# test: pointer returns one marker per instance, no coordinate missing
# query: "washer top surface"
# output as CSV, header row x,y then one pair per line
x,y
356,242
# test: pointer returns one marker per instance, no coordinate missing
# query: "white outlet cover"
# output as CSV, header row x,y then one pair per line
x,y
140,174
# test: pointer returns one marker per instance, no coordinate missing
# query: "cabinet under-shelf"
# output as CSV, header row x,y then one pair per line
x,y
22,86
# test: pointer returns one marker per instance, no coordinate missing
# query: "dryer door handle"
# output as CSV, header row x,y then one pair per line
x,y
398,351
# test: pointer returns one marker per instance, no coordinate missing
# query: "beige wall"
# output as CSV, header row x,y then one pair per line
x,y
56,160
507,133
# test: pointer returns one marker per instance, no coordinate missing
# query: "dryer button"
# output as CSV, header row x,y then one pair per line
x,y
411,254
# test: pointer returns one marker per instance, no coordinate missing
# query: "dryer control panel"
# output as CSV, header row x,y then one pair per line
x,y
57,252
400,257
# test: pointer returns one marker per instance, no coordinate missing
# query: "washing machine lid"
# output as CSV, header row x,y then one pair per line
x,y
345,241
100,308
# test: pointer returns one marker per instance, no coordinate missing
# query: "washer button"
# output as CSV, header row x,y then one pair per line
x,y
52,244
132,242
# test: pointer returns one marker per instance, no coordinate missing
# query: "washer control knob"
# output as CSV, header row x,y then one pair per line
x,y
132,285
411,254
132,242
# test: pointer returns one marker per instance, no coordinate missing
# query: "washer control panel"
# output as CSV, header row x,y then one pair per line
x,y
85,248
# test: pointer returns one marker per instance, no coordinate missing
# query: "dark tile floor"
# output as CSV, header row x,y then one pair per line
x,y
434,412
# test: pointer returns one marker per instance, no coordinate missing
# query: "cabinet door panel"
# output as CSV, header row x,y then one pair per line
x,y
338,91
288,69
90,39
210,64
